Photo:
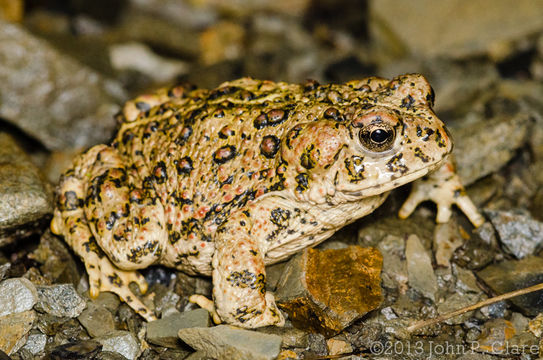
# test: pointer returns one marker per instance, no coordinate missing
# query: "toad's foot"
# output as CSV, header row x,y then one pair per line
x,y
443,187
104,276
207,304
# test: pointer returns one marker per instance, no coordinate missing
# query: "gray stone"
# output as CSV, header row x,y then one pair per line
x,y
36,342
292,337
60,300
457,301
228,342
477,27
419,268
4,270
97,320
510,275
17,295
121,342
14,329
502,123
164,332
520,234
51,97
25,198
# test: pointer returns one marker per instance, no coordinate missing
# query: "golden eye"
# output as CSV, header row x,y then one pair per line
x,y
377,137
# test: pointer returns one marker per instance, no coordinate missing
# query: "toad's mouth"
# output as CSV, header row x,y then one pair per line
x,y
392,184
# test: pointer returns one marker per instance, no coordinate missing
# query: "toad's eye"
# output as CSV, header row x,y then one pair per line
x,y
377,137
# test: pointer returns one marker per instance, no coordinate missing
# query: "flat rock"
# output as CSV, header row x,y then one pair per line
x,y
53,98
473,30
17,295
228,342
25,198
519,233
510,275
121,342
419,268
495,336
97,320
164,332
60,300
503,124
329,301
14,329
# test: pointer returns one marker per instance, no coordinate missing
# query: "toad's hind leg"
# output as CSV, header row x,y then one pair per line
x,y
114,227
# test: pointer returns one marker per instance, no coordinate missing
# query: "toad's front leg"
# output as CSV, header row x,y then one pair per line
x,y
239,277
443,187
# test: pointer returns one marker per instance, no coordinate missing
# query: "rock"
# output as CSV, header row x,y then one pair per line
x,y
291,337
85,349
519,321
164,332
139,57
36,342
457,301
519,233
419,268
14,329
60,300
97,320
121,342
245,7
4,270
329,301
228,342
25,198
338,347
466,281
17,295
57,260
502,124
535,326
473,30
53,98
510,275
447,238
495,336
394,265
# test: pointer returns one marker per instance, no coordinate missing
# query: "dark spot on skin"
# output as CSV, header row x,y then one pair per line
x,y
115,280
242,223
303,182
219,114
246,279
159,173
224,154
112,218
395,164
333,114
261,121
184,136
439,139
430,97
407,102
127,136
420,154
280,217
269,146
226,90
311,85
355,168
253,252
276,117
143,106
428,133
183,166
226,132
71,201
306,159
293,134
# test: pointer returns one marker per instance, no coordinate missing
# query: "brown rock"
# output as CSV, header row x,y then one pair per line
x,y
13,330
11,10
326,291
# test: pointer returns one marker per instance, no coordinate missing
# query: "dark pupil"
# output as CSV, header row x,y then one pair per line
x,y
379,135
